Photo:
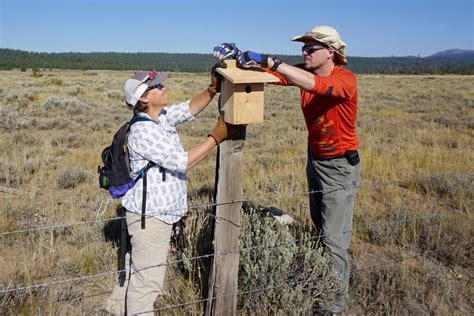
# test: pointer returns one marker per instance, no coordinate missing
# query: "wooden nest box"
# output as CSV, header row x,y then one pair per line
x,y
242,93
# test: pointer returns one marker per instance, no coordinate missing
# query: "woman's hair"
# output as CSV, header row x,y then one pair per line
x,y
140,108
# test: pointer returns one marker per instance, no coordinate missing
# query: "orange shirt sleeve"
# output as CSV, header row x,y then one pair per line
x,y
340,84
282,80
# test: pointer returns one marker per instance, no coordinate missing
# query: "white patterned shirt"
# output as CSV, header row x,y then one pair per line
x,y
159,142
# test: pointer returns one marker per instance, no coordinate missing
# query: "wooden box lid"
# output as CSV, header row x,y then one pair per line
x,y
240,76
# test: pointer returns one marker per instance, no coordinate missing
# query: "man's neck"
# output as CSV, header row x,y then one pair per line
x,y
324,70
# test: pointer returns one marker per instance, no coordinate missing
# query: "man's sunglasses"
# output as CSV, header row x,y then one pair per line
x,y
311,48
158,86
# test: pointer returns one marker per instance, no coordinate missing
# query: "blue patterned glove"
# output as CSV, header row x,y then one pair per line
x,y
225,51
248,59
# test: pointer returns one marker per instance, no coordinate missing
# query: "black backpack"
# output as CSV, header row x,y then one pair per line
x,y
114,176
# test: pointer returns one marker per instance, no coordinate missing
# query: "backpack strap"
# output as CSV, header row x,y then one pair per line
x,y
143,176
124,245
143,172
140,118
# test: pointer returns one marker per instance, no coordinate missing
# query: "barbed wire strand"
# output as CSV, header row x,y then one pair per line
x,y
391,262
30,287
362,185
296,240
296,282
293,241
172,211
14,193
276,196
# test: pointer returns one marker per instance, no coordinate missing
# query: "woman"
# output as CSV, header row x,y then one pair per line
x,y
156,140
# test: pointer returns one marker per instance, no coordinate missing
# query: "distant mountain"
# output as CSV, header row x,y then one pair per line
x,y
450,59
453,53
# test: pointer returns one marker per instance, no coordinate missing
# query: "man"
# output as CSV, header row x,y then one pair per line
x,y
155,140
329,104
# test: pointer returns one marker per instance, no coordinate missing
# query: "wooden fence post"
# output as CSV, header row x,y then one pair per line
x,y
240,103
225,267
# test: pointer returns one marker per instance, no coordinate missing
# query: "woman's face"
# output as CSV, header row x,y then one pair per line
x,y
157,96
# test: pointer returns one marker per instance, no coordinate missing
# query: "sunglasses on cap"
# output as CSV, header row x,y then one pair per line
x,y
311,48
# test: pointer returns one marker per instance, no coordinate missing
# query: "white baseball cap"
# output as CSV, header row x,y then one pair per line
x,y
136,86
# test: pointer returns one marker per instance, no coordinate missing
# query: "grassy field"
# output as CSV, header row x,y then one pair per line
x,y
412,248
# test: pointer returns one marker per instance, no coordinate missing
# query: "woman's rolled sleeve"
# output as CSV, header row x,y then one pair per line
x,y
178,113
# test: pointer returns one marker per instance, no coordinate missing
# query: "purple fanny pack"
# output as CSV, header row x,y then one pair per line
x,y
117,192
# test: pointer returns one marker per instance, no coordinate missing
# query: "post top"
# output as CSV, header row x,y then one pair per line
x,y
239,76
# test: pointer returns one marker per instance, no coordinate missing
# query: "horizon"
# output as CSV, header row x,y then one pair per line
x,y
384,28
184,53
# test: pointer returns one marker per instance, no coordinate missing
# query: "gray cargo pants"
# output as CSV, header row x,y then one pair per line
x,y
332,210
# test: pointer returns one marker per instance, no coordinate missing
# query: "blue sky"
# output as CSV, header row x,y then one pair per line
x,y
370,28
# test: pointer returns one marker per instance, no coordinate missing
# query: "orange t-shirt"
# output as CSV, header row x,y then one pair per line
x,y
330,110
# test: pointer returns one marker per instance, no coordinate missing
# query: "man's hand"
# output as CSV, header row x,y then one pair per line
x,y
248,59
225,51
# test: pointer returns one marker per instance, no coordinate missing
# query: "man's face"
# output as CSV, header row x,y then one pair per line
x,y
316,54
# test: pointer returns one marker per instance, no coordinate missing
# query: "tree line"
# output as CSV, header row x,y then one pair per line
x,y
194,63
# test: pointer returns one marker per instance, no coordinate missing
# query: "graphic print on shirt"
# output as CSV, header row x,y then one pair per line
x,y
160,143
326,133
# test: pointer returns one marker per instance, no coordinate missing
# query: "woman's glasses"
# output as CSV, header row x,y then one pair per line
x,y
158,86
311,48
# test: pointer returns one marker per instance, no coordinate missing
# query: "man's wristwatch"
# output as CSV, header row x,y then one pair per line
x,y
276,62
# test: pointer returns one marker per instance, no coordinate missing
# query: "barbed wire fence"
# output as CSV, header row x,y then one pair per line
x,y
262,289
21,194
105,202
369,227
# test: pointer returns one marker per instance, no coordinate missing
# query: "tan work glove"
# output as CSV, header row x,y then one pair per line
x,y
222,130
219,133
216,77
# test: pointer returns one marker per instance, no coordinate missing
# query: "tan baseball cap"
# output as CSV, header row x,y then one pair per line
x,y
328,36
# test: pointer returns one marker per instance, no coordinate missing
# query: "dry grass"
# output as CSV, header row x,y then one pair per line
x,y
416,142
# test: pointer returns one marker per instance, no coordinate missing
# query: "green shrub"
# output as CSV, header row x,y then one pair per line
x,y
59,102
71,177
74,91
55,81
35,73
21,98
55,123
454,187
16,173
21,214
69,141
115,95
9,121
298,263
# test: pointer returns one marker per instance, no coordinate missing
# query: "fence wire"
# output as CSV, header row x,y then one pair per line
x,y
262,289
275,196
269,246
173,211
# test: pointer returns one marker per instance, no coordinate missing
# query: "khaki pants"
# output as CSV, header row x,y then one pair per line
x,y
332,211
144,279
